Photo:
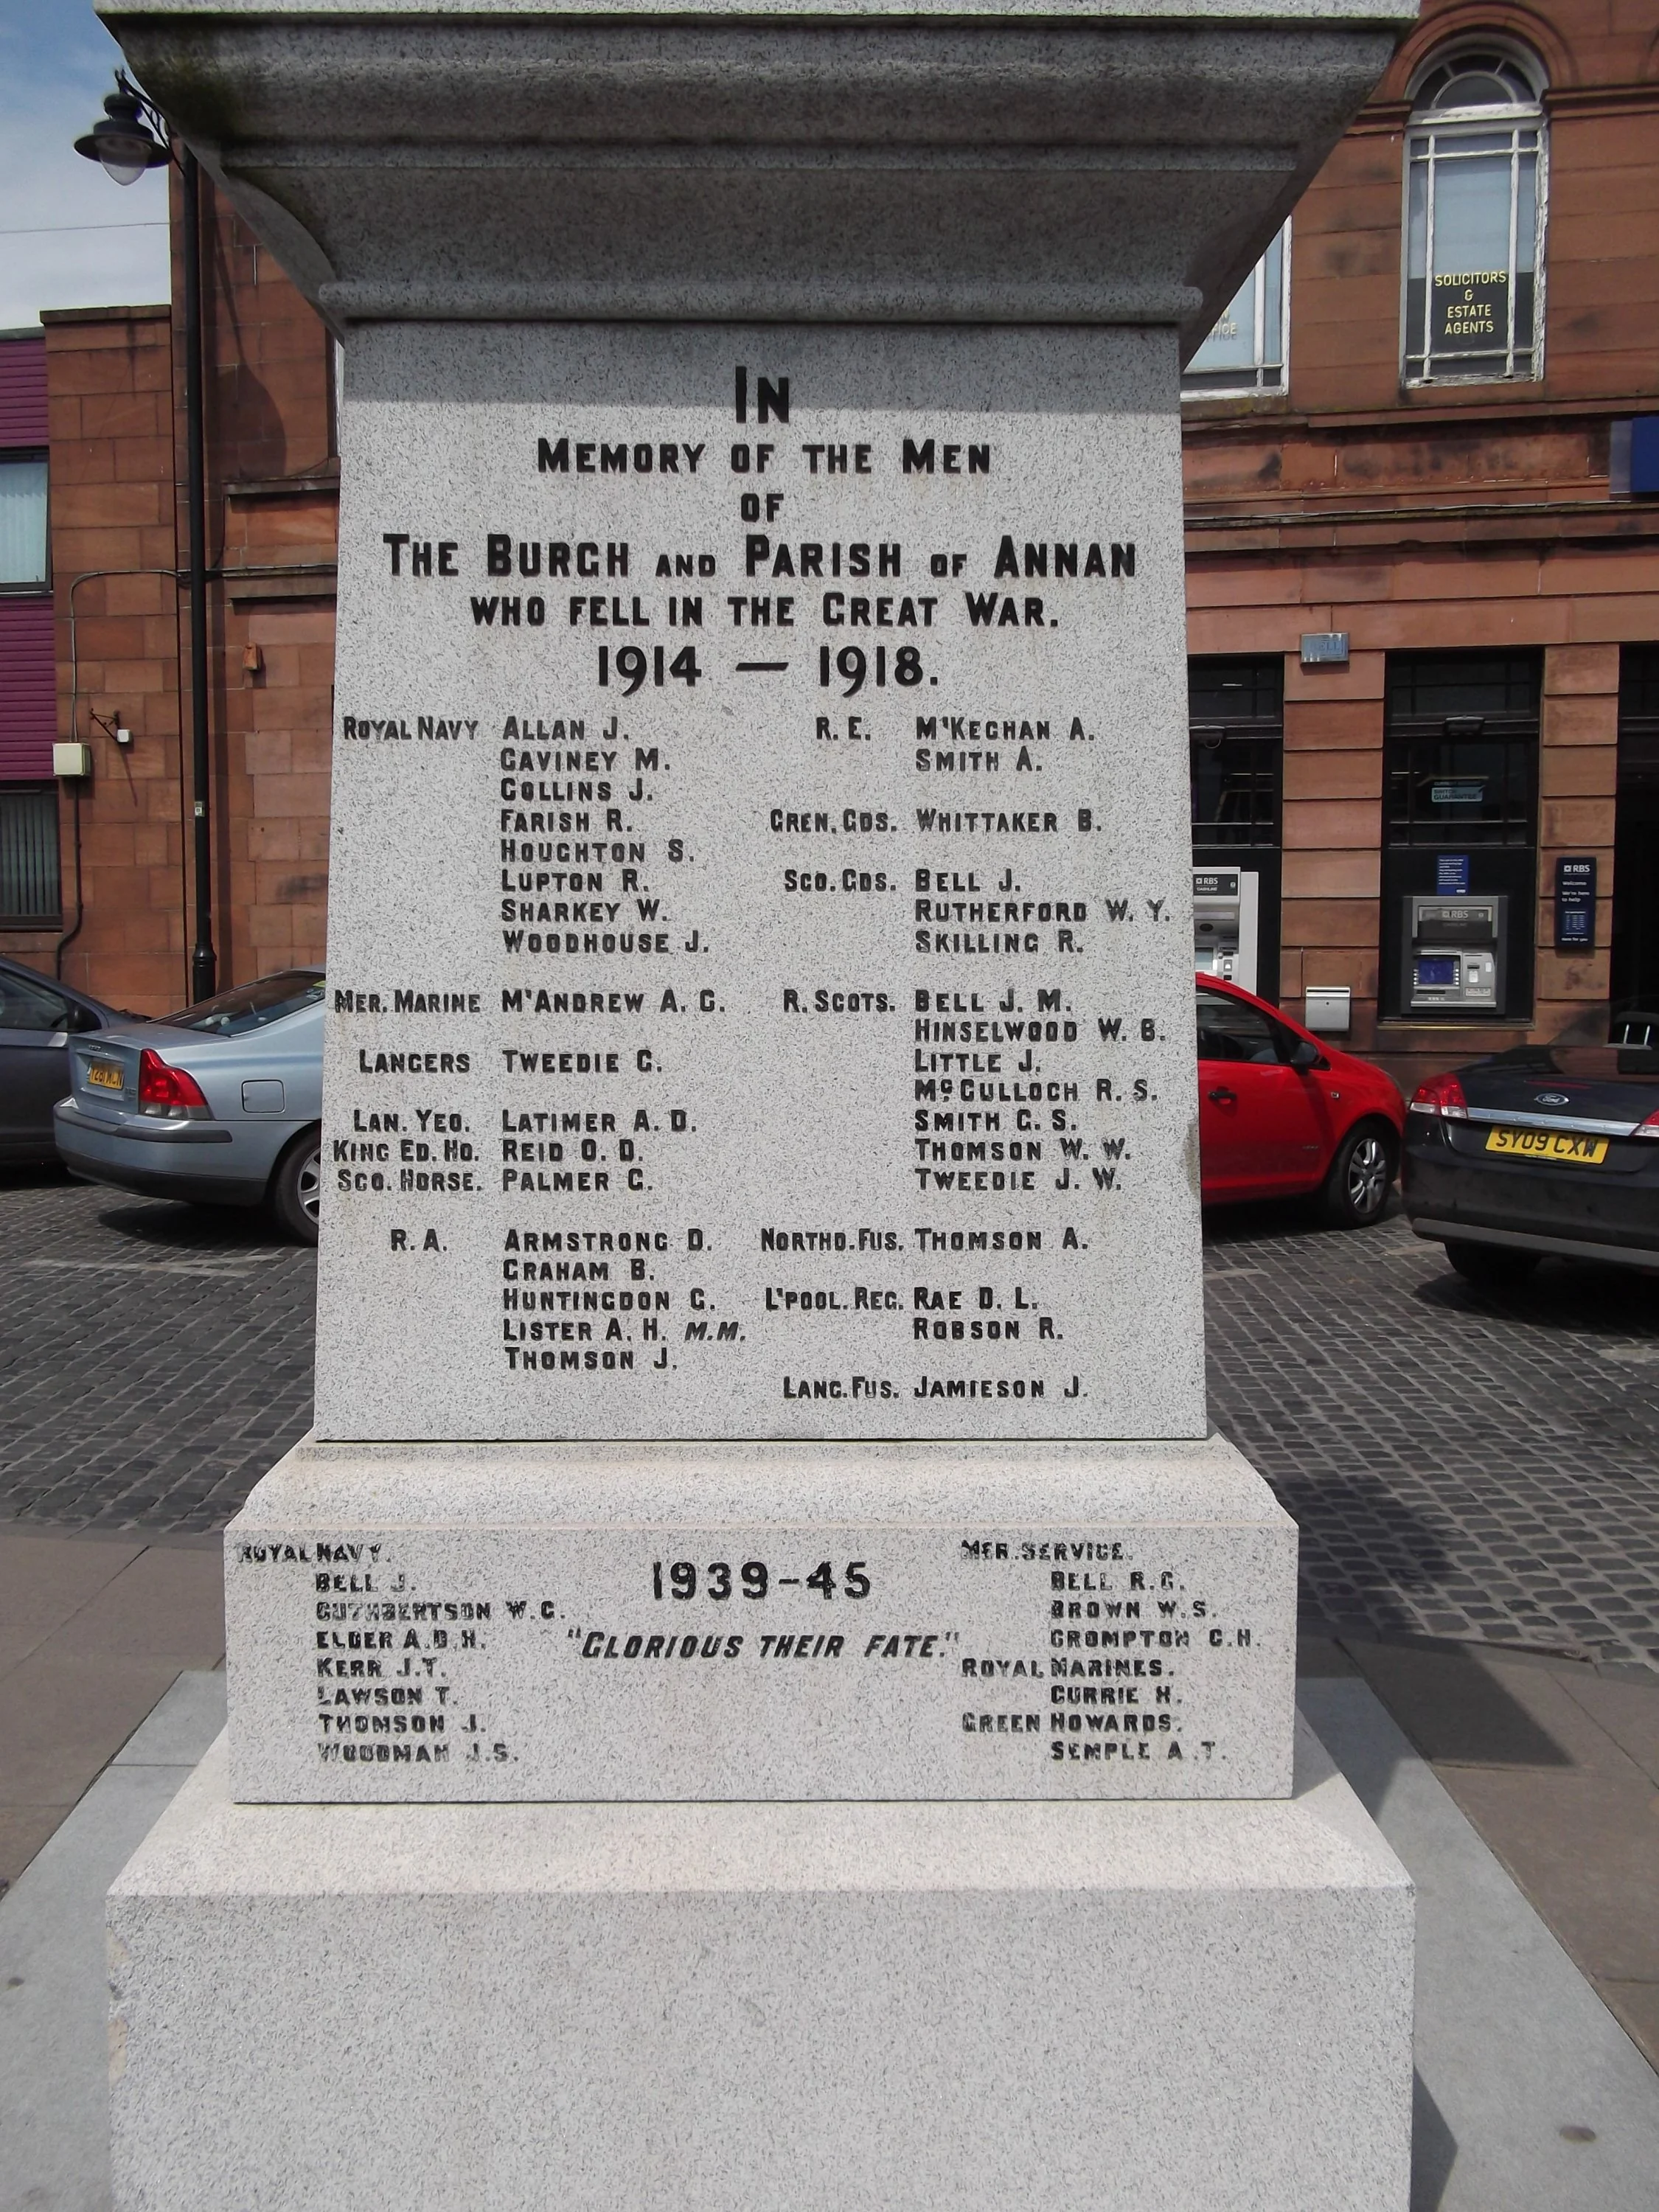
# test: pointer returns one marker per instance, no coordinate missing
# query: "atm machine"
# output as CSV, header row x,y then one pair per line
x,y
1225,905
1452,955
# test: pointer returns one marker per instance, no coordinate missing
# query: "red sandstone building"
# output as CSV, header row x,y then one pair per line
x,y
1423,577
105,899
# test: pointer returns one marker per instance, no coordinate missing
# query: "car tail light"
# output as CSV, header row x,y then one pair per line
x,y
1444,1095
168,1090
1649,1127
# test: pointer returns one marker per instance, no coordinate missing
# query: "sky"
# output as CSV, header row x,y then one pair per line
x,y
68,238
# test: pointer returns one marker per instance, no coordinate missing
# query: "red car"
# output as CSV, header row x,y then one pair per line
x,y
1282,1113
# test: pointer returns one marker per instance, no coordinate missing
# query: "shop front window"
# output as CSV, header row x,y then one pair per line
x,y
1248,348
1475,173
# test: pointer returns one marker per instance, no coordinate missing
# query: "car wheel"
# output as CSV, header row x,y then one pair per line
x,y
296,1187
1491,1266
1361,1176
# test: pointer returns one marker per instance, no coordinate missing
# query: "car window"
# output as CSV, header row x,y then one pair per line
x,y
31,1006
252,1006
1228,1028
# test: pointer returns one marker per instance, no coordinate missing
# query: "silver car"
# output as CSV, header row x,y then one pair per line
x,y
37,1016
220,1104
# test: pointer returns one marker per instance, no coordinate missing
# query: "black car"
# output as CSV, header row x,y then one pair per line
x,y
38,1017
1548,1149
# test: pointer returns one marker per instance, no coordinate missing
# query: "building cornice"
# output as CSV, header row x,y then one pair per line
x,y
1251,420
989,164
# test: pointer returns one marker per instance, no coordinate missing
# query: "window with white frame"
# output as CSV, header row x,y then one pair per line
x,y
22,520
1248,348
1476,159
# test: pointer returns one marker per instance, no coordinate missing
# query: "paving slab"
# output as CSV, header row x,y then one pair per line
x,y
45,1581
1538,1753
1531,2097
53,1984
1628,1710
64,1716
1586,1851
93,1633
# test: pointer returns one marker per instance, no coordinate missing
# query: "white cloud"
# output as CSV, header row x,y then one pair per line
x,y
56,62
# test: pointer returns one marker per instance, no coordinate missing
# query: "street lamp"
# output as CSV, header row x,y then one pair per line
x,y
122,139
131,136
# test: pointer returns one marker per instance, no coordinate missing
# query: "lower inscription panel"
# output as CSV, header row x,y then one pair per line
x,y
795,1623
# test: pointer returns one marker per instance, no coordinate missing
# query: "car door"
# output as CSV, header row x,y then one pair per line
x,y
1259,1132
34,1025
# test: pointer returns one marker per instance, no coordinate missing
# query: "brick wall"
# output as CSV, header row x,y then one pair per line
x,y
118,462
1460,516
110,402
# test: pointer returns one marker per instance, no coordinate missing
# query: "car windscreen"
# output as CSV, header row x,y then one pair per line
x,y
252,1006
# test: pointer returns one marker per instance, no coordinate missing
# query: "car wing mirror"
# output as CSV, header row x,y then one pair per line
x,y
1306,1053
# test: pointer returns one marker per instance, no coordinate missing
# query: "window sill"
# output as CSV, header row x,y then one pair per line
x,y
1466,383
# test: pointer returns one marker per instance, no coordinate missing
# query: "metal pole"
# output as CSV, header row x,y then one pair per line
x,y
204,966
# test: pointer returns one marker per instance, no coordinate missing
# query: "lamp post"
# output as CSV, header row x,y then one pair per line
x,y
130,137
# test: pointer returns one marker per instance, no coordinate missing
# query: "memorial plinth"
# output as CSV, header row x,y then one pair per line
x,y
761,1507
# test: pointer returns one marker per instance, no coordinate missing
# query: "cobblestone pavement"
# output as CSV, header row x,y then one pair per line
x,y
1462,1465
154,1358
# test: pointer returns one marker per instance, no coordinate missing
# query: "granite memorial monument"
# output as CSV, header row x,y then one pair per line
x,y
761,1688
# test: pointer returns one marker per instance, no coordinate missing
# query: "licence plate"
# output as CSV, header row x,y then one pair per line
x,y
103,1075
1549,1144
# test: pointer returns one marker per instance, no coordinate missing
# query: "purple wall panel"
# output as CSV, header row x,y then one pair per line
x,y
22,391
29,690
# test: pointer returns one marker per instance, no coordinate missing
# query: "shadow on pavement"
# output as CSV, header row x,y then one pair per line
x,y
1453,1709
48,1175
167,1223
1266,1221
1564,1294
1434,2150
1272,1220
1361,1544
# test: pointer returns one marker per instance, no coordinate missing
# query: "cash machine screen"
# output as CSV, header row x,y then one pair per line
x,y
1437,972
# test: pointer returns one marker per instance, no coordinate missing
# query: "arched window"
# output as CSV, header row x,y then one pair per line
x,y
1475,163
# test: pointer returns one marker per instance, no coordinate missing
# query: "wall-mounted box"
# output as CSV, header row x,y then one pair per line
x,y
71,760
1328,1009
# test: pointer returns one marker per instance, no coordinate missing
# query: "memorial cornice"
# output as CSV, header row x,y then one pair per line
x,y
855,164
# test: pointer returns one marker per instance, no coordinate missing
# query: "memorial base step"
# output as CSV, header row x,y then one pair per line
x,y
1176,2007
489,1622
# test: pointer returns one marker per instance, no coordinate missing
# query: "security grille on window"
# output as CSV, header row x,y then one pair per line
x,y
1475,164
1249,348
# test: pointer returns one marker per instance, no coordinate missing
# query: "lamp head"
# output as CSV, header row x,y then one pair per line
x,y
122,139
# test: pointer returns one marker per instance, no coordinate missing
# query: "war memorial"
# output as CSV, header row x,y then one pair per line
x,y
762,1689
